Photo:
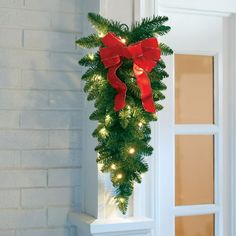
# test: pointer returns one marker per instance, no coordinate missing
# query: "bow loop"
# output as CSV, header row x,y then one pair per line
x,y
145,54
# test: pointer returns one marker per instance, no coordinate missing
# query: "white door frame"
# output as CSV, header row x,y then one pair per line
x,y
145,193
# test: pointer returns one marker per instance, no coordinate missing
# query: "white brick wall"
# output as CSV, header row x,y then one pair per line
x,y
40,116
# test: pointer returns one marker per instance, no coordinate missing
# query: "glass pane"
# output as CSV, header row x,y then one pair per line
x,y
194,168
194,89
200,225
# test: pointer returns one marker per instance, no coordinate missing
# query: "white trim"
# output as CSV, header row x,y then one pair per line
x,y
222,8
233,124
196,210
117,226
181,10
196,129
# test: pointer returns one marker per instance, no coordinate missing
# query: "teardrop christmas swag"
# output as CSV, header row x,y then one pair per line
x,y
125,80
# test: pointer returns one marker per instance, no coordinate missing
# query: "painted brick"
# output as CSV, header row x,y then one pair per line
x,y
10,38
46,40
79,6
24,59
47,197
19,139
9,119
22,178
64,139
58,216
18,18
7,233
44,232
50,119
51,158
65,61
37,58
9,199
65,99
9,78
10,159
67,22
40,60
50,80
52,5
64,177
11,3
22,218
23,99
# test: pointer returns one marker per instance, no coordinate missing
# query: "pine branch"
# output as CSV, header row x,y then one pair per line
x,y
161,30
103,25
165,50
91,41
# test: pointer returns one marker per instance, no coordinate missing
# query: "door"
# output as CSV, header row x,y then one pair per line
x,y
193,156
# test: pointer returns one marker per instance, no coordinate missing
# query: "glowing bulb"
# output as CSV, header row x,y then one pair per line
x,y
131,151
103,132
101,35
97,77
107,118
119,176
91,56
113,166
154,115
129,108
121,199
123,40
140,124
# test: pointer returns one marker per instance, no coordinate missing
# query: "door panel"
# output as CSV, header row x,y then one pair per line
x,y
194,89
194,169
190,190
200,225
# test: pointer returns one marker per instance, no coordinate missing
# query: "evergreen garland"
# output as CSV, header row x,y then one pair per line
x,y
123,136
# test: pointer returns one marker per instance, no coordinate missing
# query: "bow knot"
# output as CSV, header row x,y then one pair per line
x,y
145,54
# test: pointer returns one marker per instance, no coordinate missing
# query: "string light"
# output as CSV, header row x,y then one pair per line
x,y
121,199
129,108
101,35
140,124
119,176
107,119
123,40
113,167
103,132
154,115
131,151
91,56
97,77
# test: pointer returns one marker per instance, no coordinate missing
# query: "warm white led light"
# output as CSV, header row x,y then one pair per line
x,y
91,56
131,151
113,166
119,176
101,35
123,40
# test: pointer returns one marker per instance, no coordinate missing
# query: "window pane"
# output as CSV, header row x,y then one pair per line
x,y
194,89
194,166
200,225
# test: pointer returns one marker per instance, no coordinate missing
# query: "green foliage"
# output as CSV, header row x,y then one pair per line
x,y
123,137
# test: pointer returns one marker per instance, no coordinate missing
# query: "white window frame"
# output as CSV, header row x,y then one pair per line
x,y
148,192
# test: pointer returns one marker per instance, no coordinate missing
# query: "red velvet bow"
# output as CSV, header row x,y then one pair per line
x,y
145,54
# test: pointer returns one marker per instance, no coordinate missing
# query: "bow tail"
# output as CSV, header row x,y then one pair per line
x,y
119,86
144,85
